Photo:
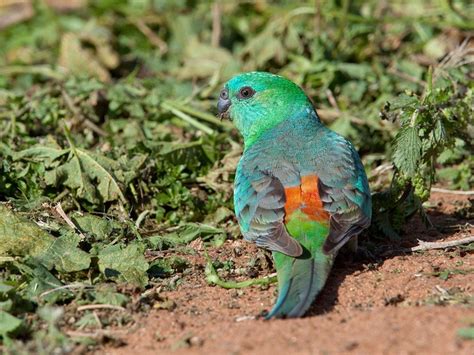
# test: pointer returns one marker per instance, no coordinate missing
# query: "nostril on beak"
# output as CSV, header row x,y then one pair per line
x,y
224,103
224,94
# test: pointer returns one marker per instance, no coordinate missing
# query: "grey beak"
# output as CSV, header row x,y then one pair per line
x,y
223,104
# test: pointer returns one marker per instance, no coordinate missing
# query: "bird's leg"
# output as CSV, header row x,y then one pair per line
x,y
352,245
348,253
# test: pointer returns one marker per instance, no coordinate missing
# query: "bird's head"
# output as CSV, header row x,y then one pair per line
x,y
258,101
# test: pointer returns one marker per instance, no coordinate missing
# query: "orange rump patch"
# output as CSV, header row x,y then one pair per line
x,y
305,198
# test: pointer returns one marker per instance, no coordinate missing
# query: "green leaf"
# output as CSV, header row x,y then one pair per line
x,y
167,266
88,320
21,237
42,285
97,227
100,168
108,295
8,323
124,264
411,67
357,71
78,60
90,175
64,255
407,152
130,167
6,305
5,288
47,154
402,102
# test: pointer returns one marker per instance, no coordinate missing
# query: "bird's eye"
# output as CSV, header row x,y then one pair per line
x,y
246,92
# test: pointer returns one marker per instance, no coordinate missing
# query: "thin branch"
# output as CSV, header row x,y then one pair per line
x,y
332,100
245,318
185,117
79,116
141,217
317,16
64,216
381,169
216,24
441,245
96,334
64,287
152,37
453,192
97,319
44,70
200,114
99,306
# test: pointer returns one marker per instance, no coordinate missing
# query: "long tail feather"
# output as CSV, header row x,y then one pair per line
x,y
300,280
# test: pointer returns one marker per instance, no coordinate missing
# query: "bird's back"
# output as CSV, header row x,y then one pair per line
x,y
322,178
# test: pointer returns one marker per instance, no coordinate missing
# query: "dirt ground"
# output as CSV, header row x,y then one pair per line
x,y
395,302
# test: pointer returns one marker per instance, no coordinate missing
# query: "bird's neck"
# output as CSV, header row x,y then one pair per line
x,y
306,116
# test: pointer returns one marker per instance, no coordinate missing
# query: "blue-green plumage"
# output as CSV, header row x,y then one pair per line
x,y
300,188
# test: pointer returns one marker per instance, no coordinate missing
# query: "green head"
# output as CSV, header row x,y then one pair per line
x,y
258,101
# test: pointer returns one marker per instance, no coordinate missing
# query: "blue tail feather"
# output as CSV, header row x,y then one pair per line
x,y
299,286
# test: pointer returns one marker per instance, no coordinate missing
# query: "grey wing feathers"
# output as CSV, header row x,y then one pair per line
x,y
261,214
346,196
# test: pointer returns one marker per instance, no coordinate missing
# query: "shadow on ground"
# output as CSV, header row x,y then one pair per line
x,y
372,252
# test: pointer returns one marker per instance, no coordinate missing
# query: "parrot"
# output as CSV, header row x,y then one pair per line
x,y
300,189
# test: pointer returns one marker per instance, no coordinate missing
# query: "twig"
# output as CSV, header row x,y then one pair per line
x,y
216,24
458,56
96,334
441,245
61,195
44,70
64,216
454,192
64,287
141,217
152,37
185,117
245,318
381,169
99,306
332,100
200,114
97,319
317,16
79,117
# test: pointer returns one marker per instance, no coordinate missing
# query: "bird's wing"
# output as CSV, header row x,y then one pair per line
x,y
332,190
344,192
259,201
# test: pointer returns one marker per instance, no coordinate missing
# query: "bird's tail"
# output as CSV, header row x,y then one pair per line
x,y
299,281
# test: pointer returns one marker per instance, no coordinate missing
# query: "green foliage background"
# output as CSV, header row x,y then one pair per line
x,y
110,149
